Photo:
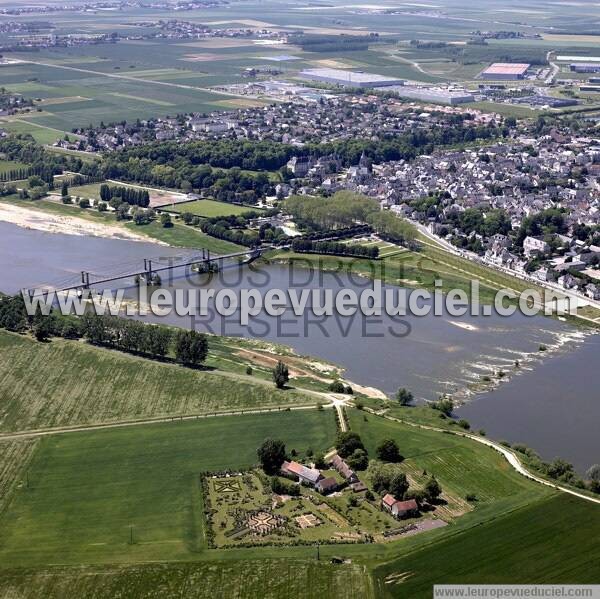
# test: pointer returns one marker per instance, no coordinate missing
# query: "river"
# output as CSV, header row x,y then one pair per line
x,y
550,402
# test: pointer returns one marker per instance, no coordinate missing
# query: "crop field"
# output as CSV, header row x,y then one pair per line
x,y
210,208
552,541
103,94
133,494
14,458
98,385
244,579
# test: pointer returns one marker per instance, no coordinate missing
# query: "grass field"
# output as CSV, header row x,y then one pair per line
x,y
554,540
41,134
460,465
180,235
87,489
98,385
243,579
210,208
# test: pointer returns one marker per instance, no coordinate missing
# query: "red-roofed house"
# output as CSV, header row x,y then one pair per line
x,y
399,509
344,469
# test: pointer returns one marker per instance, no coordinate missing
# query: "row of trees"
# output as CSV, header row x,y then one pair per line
x,y
188,347
334,248
246,238
392,228
129,195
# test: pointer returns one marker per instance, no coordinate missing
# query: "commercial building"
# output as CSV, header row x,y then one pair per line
x,y
505,71
578,58
349,78
585,67
436,95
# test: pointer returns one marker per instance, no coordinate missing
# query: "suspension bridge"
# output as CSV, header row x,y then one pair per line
x,y
133,270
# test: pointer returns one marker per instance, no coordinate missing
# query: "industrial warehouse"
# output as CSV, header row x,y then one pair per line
x,y
437,95
505,71
349,78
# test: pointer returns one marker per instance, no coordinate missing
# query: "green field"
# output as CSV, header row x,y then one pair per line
x,y
87,489
243,579
460,465
41,134
100,385
554,540
180,235
210,208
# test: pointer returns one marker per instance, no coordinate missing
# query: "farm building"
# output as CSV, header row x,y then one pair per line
x,y
344,469
349,78
585,67
505,71
437,95
399,509
308,476
326,485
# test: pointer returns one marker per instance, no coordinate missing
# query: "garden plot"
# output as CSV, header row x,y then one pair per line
x,y
241,510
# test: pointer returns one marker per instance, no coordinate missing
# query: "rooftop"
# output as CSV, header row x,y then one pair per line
x,y
350,76
507,68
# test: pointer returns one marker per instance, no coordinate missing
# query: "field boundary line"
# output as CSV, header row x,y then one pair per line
x,y
152,420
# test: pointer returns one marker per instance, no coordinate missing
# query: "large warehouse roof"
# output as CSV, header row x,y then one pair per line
x,y
506,68
349,77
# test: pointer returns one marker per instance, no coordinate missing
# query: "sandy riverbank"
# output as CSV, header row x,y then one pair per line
x,y
67,225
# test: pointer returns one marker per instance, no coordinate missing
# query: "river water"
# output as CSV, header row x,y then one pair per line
x,y
551,402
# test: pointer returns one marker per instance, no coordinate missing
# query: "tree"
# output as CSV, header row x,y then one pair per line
x,y
271,455
358,460
337,387
387,451
404,396
432,489
593,473
165,220
398,485
444,404
64,190
191,347
281,375
347,443
71,329
43,327
417,494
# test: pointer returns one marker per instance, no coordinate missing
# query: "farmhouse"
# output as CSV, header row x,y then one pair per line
x,y
308,476
399,509
344,469
326,485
